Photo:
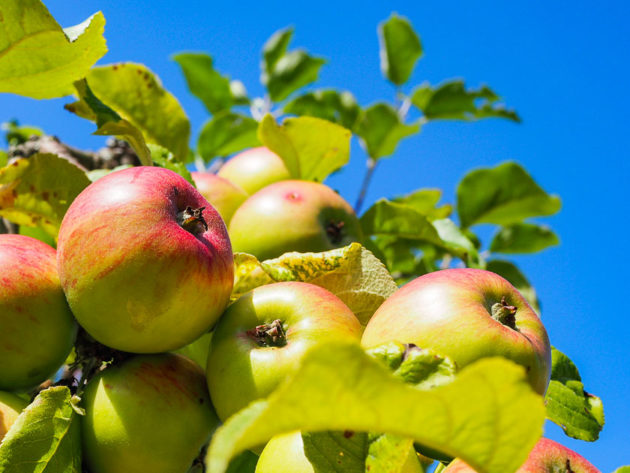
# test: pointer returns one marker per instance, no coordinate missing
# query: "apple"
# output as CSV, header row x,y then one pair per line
x,y
10,408
149,413
285,454
197,350
254,169
262,336
144,260
547,456
293,216
37,329
465,314
224,196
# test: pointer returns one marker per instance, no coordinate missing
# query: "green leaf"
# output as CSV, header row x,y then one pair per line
x,y
4,158
478,417
164,158
275,47
38,58
108,122
96,174
206,83
457,243
381,129
623,469
227,133
137,95
451,101
400,48
523,238
38,234
502,195
331,105
16,134
510,272
580,414
37,191
244,463
391,454
292,71
311,148
336,451
425,201
45,437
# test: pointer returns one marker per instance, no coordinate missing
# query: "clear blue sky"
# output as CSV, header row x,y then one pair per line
x,y
562,65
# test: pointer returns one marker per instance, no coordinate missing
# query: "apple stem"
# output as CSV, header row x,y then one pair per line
x,y
190,219
504,313
269,335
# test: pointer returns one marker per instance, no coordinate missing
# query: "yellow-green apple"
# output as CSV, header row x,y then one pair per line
x,y
254,169
150,413
293,216
224,196
37,329
547,456
465,314
261,338
285,454
144,260
10,408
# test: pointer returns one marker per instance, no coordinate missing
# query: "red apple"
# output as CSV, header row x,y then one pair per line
x,y
151,413
224,196
37,329
465,314
144,260
263,335
293,216
254,169
10,408
547,456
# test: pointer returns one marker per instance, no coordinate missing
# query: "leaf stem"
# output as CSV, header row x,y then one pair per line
x,y
371,167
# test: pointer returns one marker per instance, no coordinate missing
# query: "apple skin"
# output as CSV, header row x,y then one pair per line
x,y
240,370
224,196
285,454
37,328
449,312
547,456
10,408
254,169
136,279
293,216
150,413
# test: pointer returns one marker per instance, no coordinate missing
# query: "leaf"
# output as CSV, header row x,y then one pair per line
x,y
510,272
381,129
336,451
45,437
451,101
96,174
244,463
4,158
164,158
623,469
425,201
523,238
108,122
389,454
292,71
206,83
457,243
38,190
227,133
16,134
478,417
275,47
502,195
137,95
400,48
580,414
38,59
311,148
331,105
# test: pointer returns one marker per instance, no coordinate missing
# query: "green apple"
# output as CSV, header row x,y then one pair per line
x,y
197,350
10,408
151,413
224,196
254,169
465,314
261,338
293,216
37,329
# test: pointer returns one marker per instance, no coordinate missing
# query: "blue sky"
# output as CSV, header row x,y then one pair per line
x,y
562,65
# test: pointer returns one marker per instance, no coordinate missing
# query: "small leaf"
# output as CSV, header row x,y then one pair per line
x,y
227,133
510,272
451,101
275,47
244,463
457,243
164,158
400,48
4,158
40,60
502,195
331,105
311,148
478,417
390,454
580,414
425,201
523,238
336,451
206,83
292,71
37,191
45,437
381,129
623,469
16,134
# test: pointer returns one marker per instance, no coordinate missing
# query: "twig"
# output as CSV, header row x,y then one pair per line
x,y
371,166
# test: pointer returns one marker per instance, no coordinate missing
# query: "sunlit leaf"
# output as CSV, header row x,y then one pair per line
x,y
381,129
331,105
292,71
523,238
400,48
164,158
227,133
425,201
275,47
